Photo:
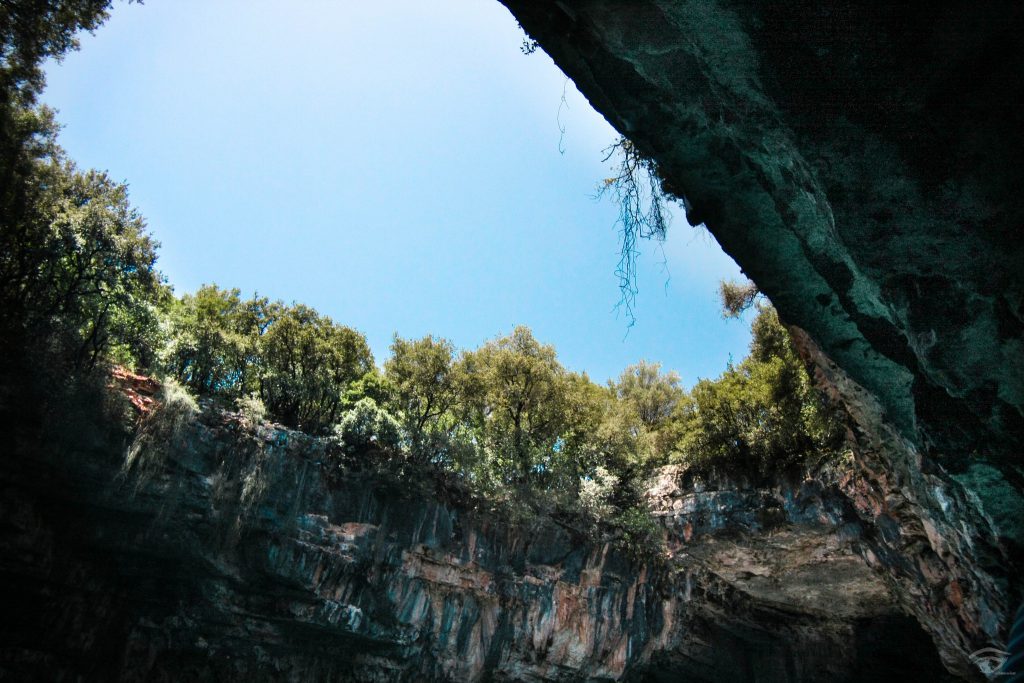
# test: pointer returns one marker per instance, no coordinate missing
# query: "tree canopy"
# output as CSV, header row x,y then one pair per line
x,y
761,415
77,265
302,365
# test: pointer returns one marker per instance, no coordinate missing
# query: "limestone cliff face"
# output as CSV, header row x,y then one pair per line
x,y
255,553
860,161
946,557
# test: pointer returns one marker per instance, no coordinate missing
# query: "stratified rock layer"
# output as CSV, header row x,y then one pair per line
x,y
862,163
231,552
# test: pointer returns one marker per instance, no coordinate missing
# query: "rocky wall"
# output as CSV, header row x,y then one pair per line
x,y
228,551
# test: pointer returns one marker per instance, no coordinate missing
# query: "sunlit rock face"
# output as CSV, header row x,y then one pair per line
x,y
862,163
247,553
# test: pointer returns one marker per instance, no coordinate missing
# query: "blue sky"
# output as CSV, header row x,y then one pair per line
x,y
396,165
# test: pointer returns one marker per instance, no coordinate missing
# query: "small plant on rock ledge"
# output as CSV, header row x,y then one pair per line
x,y
251,408
160,432
529,45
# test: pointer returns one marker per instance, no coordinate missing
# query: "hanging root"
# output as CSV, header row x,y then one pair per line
x,y
637,189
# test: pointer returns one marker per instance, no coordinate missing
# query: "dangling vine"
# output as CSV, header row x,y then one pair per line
x,y
637,189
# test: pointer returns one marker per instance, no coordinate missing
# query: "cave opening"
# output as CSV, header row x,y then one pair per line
x,y
748,527
401,169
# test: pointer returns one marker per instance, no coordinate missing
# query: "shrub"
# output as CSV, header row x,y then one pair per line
x,y
597,492
368,426
638,533
251,408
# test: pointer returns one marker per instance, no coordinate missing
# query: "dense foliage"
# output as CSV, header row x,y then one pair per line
x,y
79,289
761,415
77,268
296,361
506,418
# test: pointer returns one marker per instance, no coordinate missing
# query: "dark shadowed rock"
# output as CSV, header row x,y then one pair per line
x,y
861,162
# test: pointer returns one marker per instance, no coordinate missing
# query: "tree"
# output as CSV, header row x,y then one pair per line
x,y
308,362
303,367
214,341
647,399
372,385
651,394
32,31
585,409
77,274
514,390
77,266
422,374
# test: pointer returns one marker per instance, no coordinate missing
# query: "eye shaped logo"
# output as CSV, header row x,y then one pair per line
x,y
989,660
